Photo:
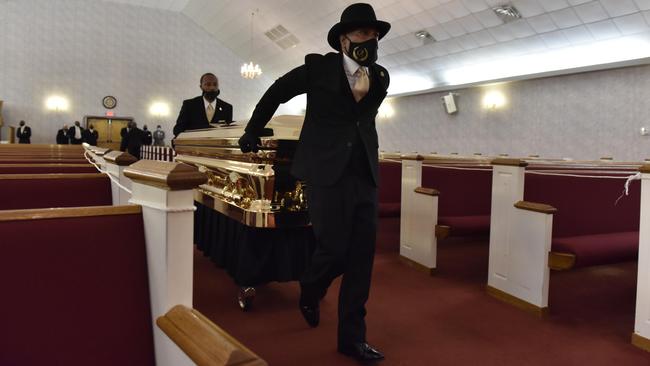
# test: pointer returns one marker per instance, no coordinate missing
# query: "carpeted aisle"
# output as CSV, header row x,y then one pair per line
x,y
447,319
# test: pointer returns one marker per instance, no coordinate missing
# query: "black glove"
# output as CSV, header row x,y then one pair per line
x,y
249,142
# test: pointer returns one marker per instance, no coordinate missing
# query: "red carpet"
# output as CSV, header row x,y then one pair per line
x,y
447,319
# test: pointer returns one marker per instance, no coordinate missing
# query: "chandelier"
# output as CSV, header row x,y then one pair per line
x,y
250,70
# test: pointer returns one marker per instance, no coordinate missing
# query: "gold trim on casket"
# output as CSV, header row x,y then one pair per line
x,y
255,189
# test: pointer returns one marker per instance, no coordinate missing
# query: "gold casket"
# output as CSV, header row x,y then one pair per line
x,y
256,189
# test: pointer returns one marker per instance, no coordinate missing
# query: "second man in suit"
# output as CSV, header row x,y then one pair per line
x,y
199,112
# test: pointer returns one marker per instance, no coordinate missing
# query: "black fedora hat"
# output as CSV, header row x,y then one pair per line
x,y
355,16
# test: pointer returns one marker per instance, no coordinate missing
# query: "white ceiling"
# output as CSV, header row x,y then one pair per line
x,y
473,44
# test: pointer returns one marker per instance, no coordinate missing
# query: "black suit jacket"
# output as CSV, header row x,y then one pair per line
x,y
62,137
25,137
192,115
334,121
90,137
134,139
73,140
124,132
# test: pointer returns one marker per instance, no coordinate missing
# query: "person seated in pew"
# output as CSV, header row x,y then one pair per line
x,y
75,133
62,136
91,135
24,133
146,137
199,112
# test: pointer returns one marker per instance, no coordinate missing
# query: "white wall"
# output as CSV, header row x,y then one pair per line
x,y
87,49
583,116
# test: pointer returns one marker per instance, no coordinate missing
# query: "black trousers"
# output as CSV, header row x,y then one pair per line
x,y
344,220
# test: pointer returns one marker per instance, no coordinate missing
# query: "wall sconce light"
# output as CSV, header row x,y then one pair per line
x,y
494,100
386,110
57,103
159,109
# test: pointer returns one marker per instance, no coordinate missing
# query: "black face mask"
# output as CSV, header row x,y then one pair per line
x,y
212,94
364,53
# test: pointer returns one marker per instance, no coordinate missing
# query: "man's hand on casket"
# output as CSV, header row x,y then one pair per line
x,y
249,142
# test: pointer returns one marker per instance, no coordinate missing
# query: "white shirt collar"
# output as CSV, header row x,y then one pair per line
x,y
206,103
350,65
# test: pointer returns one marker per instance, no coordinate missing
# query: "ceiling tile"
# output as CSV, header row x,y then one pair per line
x,y
488,18
555,39
456,9
501,33
542,23
475,5
578,2
468,42
470,24
603,30
617,8
440,14
631,24
552,5
454,28
439,33
578,35
643,4
591,12
484,38
528,8
520,29
565,18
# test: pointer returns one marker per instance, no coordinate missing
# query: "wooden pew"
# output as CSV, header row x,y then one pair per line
x,y
641,334
525,239
85,288
390,175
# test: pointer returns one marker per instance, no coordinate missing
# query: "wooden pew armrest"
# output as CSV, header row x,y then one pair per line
x,y
536,207
427,191
203,341
561,261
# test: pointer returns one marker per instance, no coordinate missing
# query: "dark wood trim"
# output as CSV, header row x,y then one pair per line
x,y
427,191
442,231
66,212
120,158
536,207
509,162
53,176
641,342
561,261
645,168
412,157
517,302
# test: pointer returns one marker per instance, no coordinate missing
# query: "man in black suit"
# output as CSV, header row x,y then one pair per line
x,y
134,140
199,112
146,136
337,157
76,133
124,132
91,135
24,133
62,136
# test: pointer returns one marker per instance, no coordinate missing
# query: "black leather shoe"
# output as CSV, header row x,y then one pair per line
x,y
362,351
311,314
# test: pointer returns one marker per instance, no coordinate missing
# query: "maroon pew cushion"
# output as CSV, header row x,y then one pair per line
x,y
466,225
75,292
16,194
591,250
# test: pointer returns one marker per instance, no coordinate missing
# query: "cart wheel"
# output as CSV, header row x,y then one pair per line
x,y
245,297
